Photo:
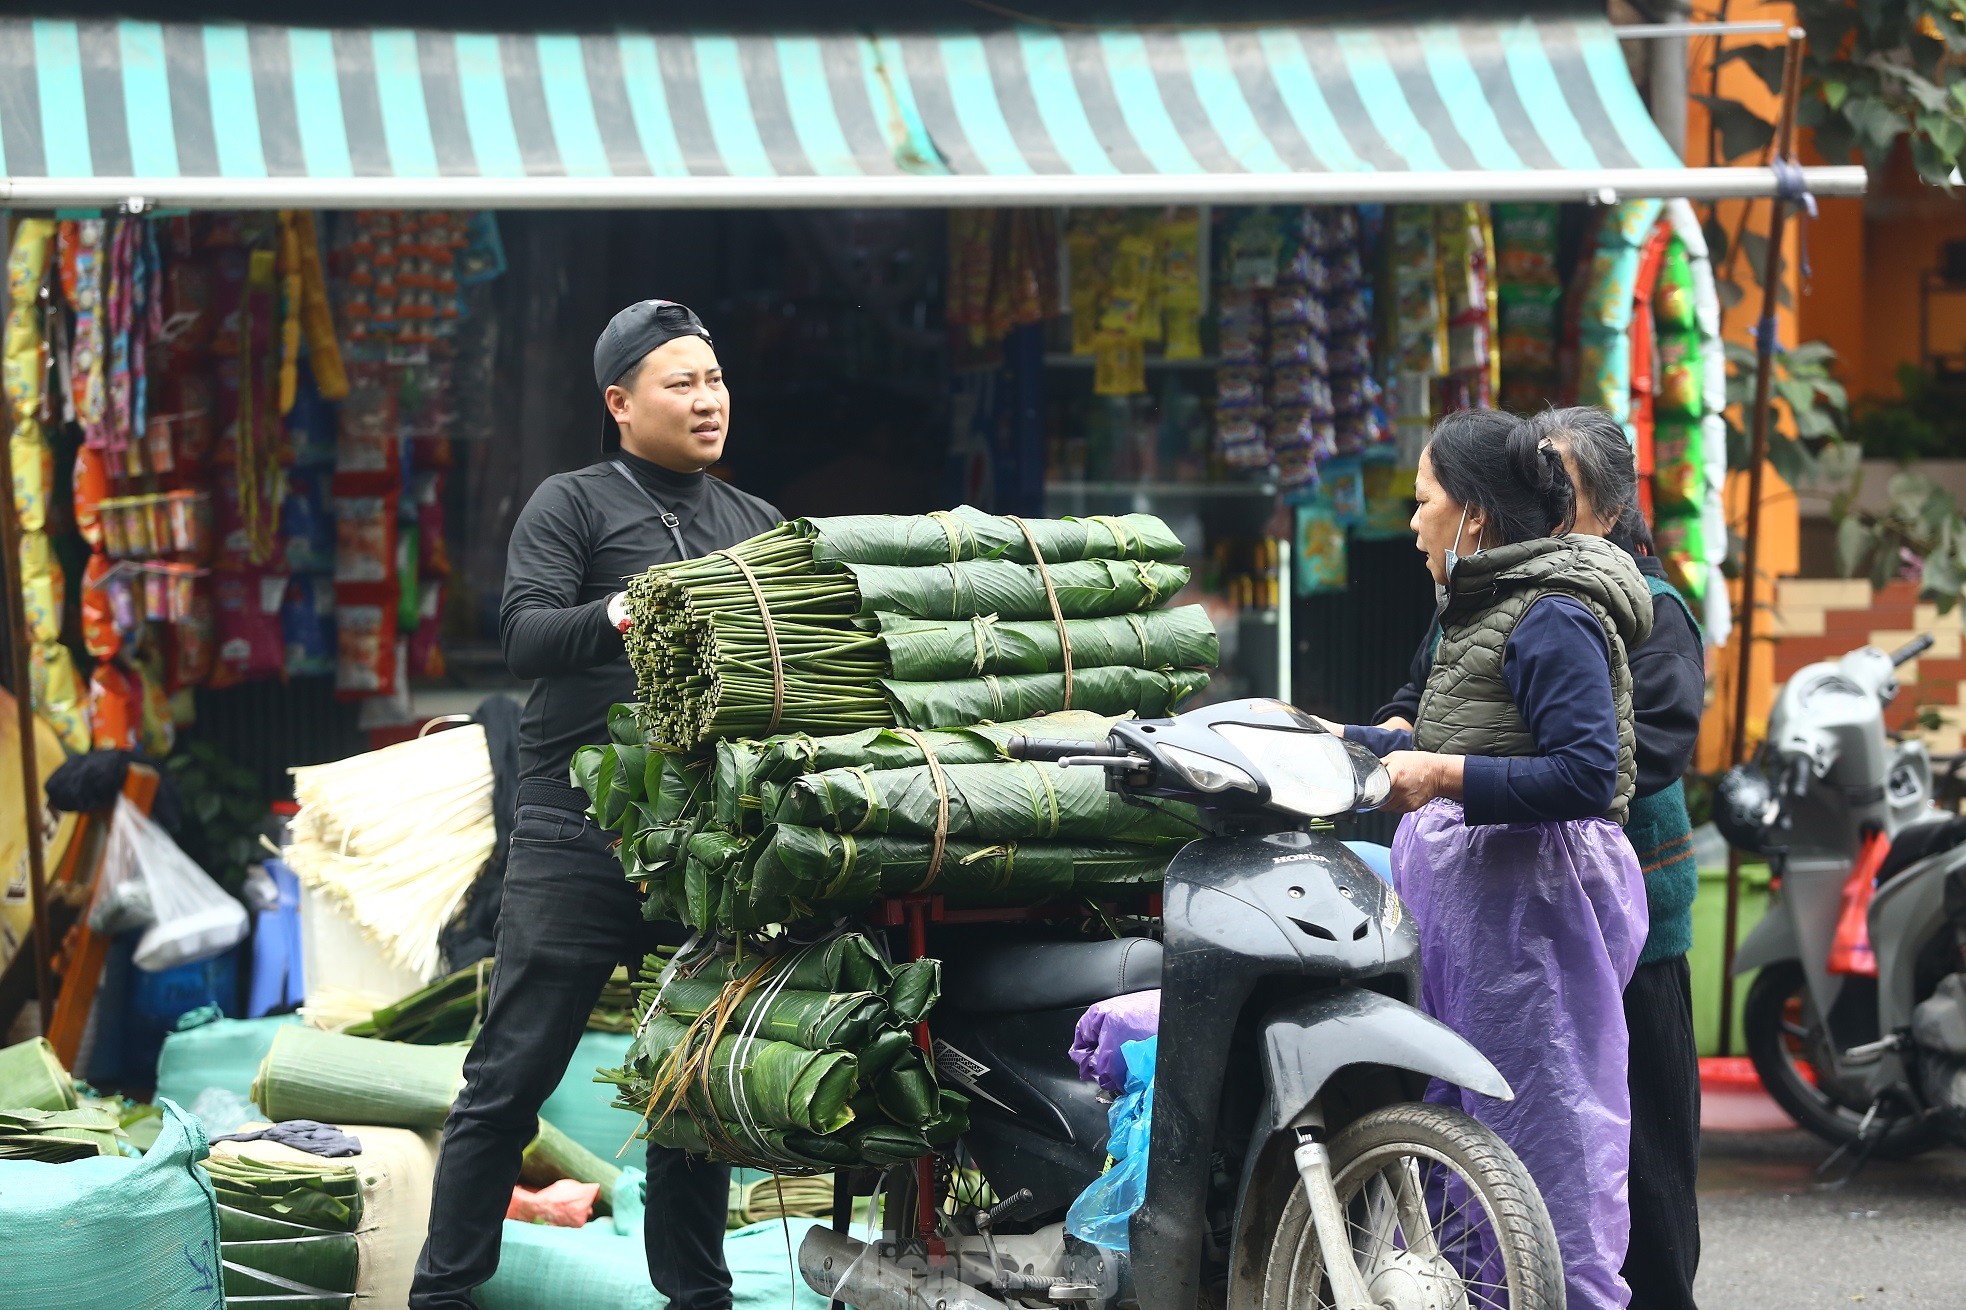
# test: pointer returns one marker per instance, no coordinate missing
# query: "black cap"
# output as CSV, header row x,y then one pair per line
x,y
635,331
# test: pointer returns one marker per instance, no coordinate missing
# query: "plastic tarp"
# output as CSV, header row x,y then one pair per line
x,y
604,1266
111,1232
1528,935
967,533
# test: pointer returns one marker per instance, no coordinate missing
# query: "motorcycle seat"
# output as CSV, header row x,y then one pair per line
x,y
1022,977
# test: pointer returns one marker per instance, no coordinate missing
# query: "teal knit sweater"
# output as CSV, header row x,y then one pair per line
x,y
1661,833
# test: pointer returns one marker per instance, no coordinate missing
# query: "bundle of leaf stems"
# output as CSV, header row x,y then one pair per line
x,y
703,658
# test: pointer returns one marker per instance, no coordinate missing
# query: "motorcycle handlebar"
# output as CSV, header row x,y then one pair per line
x,y
1049,750
1911,650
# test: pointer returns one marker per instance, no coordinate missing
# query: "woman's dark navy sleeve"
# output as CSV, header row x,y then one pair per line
x,y
1558,669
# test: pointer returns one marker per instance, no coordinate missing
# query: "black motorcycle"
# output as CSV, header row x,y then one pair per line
x,y
1293,1164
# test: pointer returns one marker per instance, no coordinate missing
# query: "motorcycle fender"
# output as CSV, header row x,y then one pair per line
x,y
1770,942
1309,1038
1308,1041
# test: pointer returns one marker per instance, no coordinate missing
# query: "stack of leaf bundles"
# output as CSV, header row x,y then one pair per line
x,y
755,833
792,1063
287,1230
831,625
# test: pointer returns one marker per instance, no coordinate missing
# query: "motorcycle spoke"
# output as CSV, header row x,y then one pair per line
x,y
1393,1205
1412,1198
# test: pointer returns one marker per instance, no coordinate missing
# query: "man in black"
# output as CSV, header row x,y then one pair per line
x,y
568,917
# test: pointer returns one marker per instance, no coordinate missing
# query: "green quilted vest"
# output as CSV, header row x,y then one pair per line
x,y
1661,834
1466,708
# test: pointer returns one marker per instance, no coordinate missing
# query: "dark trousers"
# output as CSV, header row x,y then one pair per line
x,y
1665,1153
567,920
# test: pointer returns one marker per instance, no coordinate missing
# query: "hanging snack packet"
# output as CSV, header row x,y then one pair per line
x,y
365,642
250,642
115,712
365,538
1682,380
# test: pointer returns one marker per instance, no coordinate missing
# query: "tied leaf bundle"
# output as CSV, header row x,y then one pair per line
x,y
57,1136
792,1063
815,625
451,1009
324,1197
757,833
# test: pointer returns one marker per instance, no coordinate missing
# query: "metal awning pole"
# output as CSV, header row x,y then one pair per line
x,y
1587,185
21,675
1758,420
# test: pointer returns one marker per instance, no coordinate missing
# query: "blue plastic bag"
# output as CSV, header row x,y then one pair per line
x,y
1101,1213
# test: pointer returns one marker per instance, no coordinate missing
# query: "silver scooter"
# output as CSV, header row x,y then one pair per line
x,y
1842,1052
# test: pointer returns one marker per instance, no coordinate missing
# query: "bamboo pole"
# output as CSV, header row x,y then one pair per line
x,y
21,675
1758,419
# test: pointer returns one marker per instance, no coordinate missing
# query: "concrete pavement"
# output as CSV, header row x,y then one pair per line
x,y
1771,1239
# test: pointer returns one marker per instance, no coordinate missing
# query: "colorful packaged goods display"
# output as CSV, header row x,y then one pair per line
x,y
191,372
1650,353
1296,384
1135,288
1529,297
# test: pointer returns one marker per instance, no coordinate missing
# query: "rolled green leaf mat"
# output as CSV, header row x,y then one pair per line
x,y
308,1074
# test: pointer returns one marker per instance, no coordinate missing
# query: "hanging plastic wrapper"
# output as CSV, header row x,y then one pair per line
x,y
1102,1212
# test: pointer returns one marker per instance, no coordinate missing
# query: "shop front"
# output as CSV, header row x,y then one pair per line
x,y
298,317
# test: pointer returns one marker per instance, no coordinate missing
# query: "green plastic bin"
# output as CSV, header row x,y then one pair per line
x,y
1709,930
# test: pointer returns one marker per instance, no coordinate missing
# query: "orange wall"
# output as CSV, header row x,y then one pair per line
x,y
1906,223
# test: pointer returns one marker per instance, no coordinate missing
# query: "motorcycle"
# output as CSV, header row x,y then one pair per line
x,y
1292,1162
1869,1060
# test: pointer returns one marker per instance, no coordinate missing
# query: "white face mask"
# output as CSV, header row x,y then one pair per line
x,y
1450,558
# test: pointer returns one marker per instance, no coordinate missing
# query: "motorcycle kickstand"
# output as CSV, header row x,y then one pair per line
x,y
1334,1240
1861,1151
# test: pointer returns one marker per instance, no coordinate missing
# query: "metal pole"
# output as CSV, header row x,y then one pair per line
x,y
21,675
1758,419
1667,78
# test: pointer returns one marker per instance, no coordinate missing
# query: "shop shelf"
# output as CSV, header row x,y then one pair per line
x,y
1165,490
1153,362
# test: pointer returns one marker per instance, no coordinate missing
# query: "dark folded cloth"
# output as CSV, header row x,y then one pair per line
x,y
303,1135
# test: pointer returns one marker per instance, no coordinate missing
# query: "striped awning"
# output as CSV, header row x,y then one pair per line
x,y
96,113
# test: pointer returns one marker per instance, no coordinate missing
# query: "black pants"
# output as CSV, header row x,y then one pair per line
x,y
1665,1154
567,919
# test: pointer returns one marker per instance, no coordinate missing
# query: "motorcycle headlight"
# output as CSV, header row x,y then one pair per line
x,y
1310,773
1205,772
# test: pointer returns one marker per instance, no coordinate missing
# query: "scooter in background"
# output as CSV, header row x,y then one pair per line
x,y
1853,1041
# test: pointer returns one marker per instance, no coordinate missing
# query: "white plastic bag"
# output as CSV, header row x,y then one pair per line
x,y
122,899
191,917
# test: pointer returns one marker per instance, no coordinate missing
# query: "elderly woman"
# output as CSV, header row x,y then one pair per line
x,y
1516,779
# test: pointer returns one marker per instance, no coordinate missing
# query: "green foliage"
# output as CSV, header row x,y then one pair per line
x,y
1919,532
1806,393
1927,420
1874,71
224,812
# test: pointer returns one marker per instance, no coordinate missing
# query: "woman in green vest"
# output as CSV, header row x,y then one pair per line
x,y
1516,781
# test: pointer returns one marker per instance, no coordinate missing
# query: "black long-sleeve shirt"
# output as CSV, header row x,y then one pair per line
x,y
577,541
1669,684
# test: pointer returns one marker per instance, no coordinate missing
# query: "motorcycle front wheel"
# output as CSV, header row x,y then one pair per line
x,y
1442,1214
1788,1044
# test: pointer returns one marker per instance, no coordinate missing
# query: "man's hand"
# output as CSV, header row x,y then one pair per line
x,y
618,612
1420,776
1398,724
